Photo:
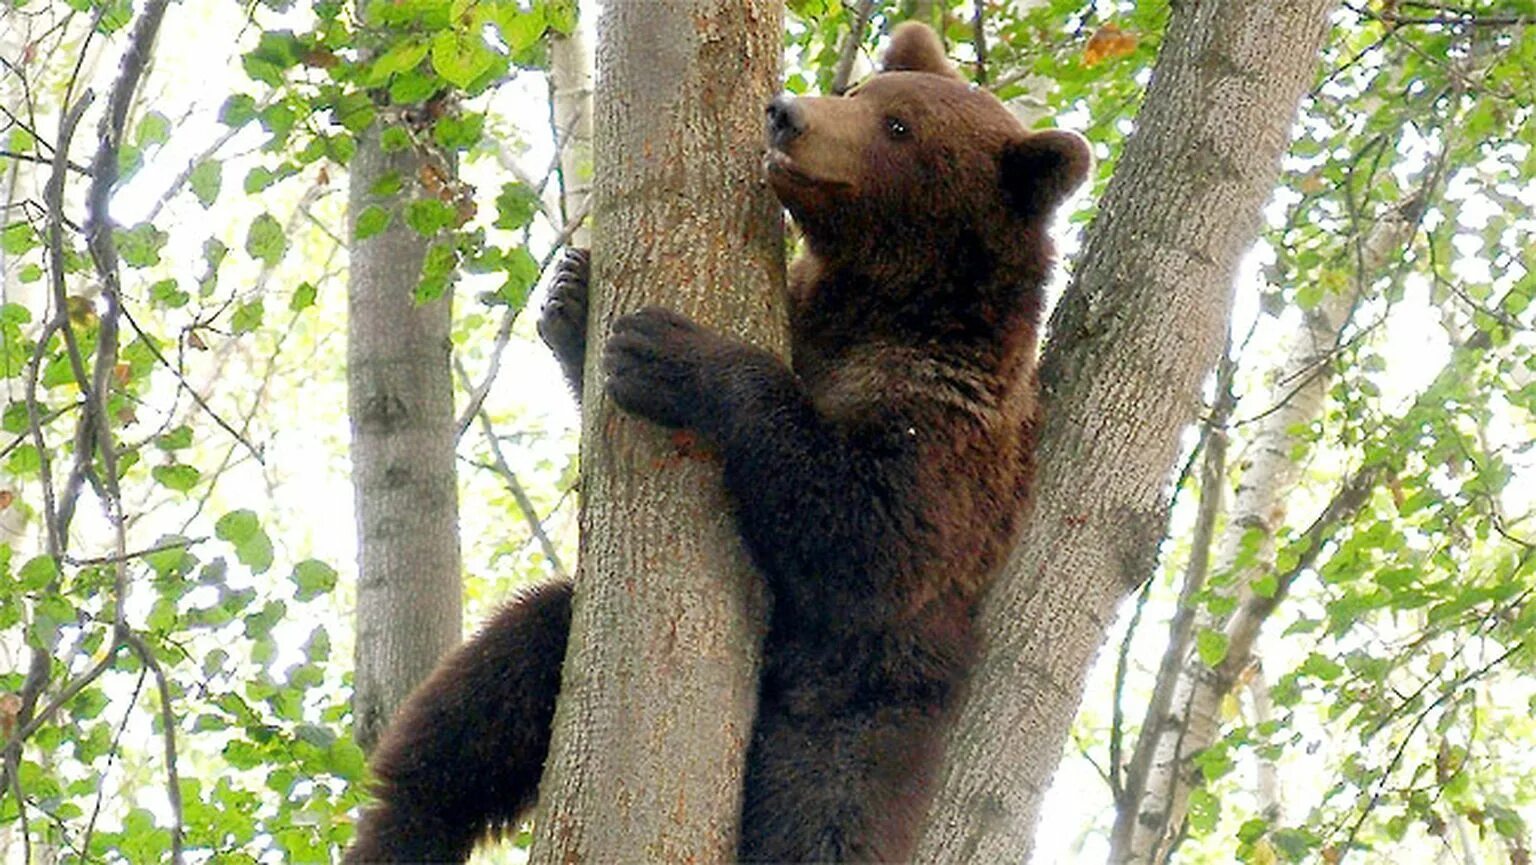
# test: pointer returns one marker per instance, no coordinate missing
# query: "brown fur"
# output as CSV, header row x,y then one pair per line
x,y
878,484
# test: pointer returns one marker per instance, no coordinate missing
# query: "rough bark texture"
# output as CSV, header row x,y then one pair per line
x,y
1131,343
659,686
400,396
1159,777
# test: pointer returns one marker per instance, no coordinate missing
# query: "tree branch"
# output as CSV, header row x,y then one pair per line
x,y
852,40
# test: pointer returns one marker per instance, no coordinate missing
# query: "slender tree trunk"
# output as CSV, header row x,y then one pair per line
x,y
400,396
1130,345
1158,778
570,96
656,705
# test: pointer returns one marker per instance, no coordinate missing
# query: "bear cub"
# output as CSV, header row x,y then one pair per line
x,y
878,482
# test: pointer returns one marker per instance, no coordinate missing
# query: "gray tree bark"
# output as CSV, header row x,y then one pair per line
x,y
400,399
1130,345
657,701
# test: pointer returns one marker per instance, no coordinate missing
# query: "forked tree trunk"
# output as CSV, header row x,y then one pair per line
x,y
656,705
1130,345
400,397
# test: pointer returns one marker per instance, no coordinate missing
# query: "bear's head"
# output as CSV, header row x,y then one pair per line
x,y
913,155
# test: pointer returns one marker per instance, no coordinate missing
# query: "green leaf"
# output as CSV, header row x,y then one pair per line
x,y
177,438
140,245
237,110
303,297
515,206
354,111
394,139
387,185
427,216
519,29
345,760
276,52
1266,586
205,179
522,272
1211,646
458,132
258,178
460,56
1321,667
237,526
247,317
37,573
154,129
265,240
1204,810
18,237
313,579
243,531
165,293
411,87
372,220
176,476
405,55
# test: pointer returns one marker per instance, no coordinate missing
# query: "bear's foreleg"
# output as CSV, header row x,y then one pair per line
x,y
810,498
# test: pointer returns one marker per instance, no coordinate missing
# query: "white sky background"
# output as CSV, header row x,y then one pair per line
x,y
304,493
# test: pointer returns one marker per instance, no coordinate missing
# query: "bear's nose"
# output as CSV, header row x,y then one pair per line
x,y
786,120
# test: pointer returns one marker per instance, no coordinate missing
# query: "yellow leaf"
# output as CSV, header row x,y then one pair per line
x,y
1108,43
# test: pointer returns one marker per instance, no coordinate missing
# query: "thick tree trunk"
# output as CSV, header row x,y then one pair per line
x,y
656,705
400,396
1130,345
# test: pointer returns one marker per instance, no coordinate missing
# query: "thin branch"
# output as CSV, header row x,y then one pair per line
x,y
112,752
478,393
979,35
179,544
524,503
850,47
27,157
168,734
191,391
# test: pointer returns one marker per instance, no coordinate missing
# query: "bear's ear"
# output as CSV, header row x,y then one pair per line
x,y
1041,169
916,48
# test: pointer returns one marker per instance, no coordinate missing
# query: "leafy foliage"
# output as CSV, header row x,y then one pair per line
x,y
1392,700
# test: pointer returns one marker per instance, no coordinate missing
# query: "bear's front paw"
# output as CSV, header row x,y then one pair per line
x,y
563,321
655,362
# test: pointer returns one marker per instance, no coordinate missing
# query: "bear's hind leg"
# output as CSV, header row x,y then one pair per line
x,y
462,757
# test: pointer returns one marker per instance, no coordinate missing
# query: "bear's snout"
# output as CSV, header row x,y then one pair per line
x,y
786,120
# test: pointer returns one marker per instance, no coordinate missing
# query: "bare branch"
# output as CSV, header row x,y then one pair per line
x,y
851,43
524,504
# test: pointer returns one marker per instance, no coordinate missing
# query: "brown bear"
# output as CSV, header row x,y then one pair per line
x,y
878,483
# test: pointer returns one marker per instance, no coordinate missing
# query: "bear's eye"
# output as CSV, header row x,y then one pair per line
x,y
897,128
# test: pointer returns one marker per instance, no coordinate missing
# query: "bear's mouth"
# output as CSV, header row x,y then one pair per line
x,y
776,161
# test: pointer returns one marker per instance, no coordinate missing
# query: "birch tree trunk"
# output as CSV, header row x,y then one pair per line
x,y
400,398
570,96
1159,779
1158,776
657,701
1130,345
